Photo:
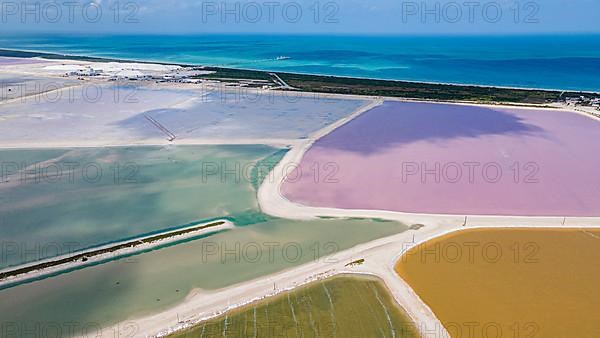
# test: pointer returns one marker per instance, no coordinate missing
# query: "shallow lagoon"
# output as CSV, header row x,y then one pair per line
x,y
342,306
458,159
95,109
523,282
172,193
243,114
153,281
117,114
149,189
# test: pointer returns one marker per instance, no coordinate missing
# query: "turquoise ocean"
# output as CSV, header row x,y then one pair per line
x,y
570,62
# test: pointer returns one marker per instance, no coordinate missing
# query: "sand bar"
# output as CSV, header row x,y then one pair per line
x,y
14,275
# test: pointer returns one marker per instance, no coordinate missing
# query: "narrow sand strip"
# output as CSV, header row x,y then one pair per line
x,y
41,268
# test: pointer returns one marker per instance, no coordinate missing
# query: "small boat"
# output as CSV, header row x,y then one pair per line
x,y
279,58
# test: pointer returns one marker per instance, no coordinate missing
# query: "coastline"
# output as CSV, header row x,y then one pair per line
x,y
68,56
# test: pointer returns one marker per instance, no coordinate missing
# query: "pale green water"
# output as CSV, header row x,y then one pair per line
x,y
92,295
172,193
168,190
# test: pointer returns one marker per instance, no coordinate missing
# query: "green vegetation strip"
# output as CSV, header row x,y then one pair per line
x,y
403,89
421,90
342,306
356,262
84,256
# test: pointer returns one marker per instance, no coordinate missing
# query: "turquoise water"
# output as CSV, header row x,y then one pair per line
x,y
556,62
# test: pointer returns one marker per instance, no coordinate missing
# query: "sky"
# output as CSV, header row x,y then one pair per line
x,y
300,16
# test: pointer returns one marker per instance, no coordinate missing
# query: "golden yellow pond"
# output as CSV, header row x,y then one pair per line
x,y
510,282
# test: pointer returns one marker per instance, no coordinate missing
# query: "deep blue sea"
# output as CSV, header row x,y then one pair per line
x,y
554,62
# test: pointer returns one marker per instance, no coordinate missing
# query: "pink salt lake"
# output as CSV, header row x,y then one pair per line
x,y
456,159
